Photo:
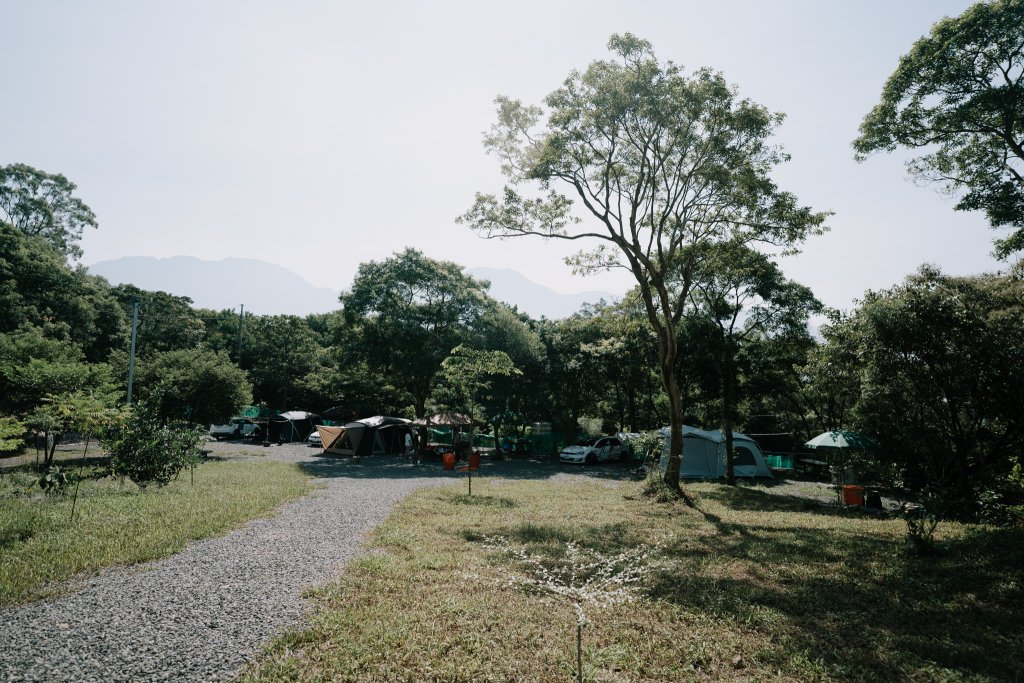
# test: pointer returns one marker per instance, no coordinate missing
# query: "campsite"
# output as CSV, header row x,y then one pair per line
x,y
595,342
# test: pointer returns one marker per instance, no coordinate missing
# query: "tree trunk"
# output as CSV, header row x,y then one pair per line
x,y
675,452
728,402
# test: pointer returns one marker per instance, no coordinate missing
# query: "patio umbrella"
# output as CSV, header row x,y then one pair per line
x,y
842,439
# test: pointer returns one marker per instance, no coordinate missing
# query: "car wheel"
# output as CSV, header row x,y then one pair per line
x,y
591,458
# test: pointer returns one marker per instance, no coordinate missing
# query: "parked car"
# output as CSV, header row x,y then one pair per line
x,y
593,451
239,427
314,439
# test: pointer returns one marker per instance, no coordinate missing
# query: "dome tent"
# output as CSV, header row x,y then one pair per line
x,y
704,454
294,425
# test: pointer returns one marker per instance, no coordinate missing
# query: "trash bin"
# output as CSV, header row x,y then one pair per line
x,y
474,461
853,494
449,461
873,500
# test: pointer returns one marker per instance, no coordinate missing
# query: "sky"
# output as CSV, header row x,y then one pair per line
x,y
319,135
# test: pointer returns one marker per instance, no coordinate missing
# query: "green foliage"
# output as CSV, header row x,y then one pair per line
x,y
147,451
468,373
54,481
957,95
76,411
279,353
193,385
590,425
166,322
940,368
43,205
405,315
39,290
921,526
12,435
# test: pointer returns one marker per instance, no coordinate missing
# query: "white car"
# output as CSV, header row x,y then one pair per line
x,y
591,452
239,427
314,438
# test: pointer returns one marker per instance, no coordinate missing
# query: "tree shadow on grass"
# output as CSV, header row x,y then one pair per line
x,y
857,604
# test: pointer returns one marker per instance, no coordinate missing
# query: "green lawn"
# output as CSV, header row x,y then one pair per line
x,y
749,586
40,548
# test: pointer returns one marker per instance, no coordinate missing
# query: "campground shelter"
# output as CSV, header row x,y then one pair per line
x,y
378,435
704,454
294,425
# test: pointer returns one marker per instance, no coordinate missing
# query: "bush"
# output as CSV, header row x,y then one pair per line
x,y
54,481
146,451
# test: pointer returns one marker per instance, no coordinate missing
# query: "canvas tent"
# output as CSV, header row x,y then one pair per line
x,y
295,425
378,435
704,455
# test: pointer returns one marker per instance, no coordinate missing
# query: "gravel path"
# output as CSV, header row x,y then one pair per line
x,y
201,614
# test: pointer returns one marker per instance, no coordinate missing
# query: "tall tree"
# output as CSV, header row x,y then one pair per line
x,y
943,355
746,295
959,95
408,312
661,163
43,205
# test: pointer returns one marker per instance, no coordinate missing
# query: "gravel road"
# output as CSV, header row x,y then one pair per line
x,y
201,614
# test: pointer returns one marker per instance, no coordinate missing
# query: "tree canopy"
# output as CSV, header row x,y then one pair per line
x,y
958,95
43,205
661,163
408,313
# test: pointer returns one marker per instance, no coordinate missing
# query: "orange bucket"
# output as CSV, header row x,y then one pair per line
x,y
853,494
474,461
449,461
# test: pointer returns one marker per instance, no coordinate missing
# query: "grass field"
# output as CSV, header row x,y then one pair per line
x,y
40,547
746,587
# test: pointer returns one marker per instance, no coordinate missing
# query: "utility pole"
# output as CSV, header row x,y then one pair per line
x,y
131,355
241,317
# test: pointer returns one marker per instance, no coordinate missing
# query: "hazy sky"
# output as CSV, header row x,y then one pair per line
x,y
318,135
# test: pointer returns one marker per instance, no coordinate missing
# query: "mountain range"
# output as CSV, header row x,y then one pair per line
x,y
269,289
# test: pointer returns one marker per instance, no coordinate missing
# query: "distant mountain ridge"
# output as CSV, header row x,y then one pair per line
x,y
535,299
264,288
269,289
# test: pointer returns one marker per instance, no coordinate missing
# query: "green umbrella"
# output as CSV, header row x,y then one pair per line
x,y
842,439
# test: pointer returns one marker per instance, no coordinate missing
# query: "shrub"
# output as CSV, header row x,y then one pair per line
x,y
147,451
54,481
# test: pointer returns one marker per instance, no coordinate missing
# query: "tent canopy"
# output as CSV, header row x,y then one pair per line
x,y
377,435
704,454
295,425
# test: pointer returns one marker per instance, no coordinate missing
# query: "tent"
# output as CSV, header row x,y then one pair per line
x,y
704,454
378,435
295,425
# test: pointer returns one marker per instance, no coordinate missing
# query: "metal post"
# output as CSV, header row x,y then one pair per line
x,y
131,355
241,317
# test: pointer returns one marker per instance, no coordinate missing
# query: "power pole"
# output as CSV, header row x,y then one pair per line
x,y
131,355
241,318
